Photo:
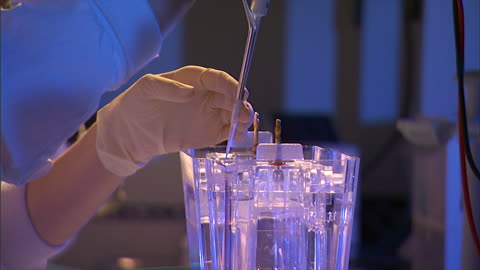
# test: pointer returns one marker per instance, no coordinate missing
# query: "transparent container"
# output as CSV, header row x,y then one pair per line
x,y
246,213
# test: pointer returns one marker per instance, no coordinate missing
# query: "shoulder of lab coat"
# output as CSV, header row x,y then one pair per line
x,y
138,40
60,58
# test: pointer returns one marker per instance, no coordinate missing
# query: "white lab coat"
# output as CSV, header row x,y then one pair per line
x,y
57,58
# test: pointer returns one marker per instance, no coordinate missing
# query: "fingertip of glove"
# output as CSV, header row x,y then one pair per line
x,y
248,106
246,115
241,133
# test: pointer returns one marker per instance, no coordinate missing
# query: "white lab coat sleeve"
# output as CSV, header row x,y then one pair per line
x,y
21,247
58,57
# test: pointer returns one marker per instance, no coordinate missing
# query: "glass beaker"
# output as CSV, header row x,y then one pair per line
x,y
246,213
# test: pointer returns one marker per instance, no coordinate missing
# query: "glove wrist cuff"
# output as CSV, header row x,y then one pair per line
x,y
116,165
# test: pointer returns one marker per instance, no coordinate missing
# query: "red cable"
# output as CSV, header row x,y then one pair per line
x,y
465,188
461,25
462,136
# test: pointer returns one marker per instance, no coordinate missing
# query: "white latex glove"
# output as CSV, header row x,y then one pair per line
x,y
187,108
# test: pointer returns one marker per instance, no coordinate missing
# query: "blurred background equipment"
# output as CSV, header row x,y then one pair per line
x,y
349,72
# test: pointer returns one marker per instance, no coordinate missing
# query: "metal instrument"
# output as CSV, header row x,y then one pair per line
x,y
254,13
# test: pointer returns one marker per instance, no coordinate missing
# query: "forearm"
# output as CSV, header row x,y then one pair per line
x,y
60,203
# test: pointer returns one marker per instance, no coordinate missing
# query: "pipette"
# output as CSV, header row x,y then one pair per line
x,y
258,9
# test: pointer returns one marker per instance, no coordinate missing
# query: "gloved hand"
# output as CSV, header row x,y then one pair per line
x,y
187,108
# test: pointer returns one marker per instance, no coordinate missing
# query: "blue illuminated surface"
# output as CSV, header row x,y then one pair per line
x,y
453,207
380,60
310,57
438,87
472,34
